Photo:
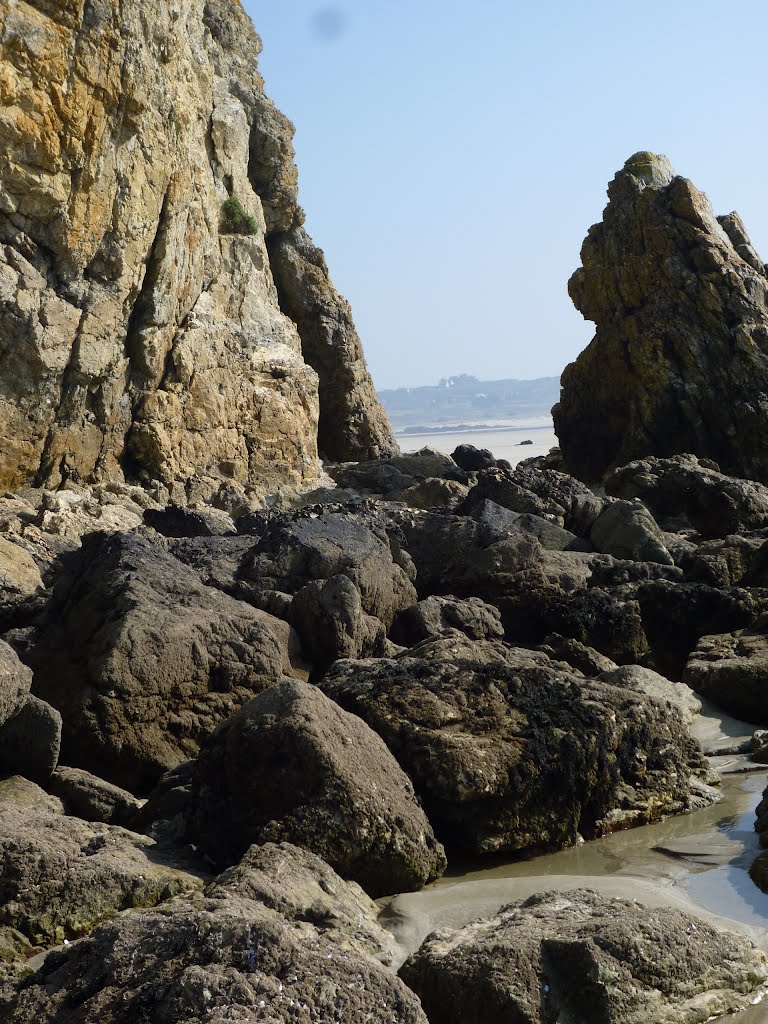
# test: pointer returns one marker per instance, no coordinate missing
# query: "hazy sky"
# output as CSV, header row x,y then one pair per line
x,y
453,155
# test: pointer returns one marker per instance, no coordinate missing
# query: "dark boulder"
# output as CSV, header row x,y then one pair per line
x,y
581,957
512,752
292,765
30,741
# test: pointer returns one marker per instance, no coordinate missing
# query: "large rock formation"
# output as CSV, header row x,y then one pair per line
x,y
679,362
141,326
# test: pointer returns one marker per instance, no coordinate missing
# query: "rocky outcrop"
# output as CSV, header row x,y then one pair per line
x,y
144,332
679,361
732,670
582,957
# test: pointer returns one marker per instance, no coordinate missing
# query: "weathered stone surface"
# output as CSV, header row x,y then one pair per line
x,y
209,961
434,492
15,683
679,361
504,522
30,741
334,789
582,957
146,335
306,891
586,659
353,425
676,615
14,789
470,615
512,752
627,529
60,876
144,661
297,549
732,670
726,562
473,459
685,490
19,574
329,617
644,680
88,797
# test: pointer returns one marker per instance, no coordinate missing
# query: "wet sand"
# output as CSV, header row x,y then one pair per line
x,y
698,862
502,438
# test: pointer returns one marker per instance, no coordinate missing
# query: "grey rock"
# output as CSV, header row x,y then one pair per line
x,y
93,799
329,617
207,961
435,492
695,491
30,741
143,661
582,957
14,789
627,530
60,877
470,615
644,680
308,893
15,683
509,751
472,459
579,656
333,789
732,670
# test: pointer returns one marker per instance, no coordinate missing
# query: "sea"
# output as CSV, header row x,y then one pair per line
x,y
504,438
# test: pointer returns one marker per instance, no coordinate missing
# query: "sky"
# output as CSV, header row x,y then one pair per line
x,y
453,155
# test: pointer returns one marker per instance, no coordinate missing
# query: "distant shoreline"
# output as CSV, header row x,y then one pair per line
x,y
467,428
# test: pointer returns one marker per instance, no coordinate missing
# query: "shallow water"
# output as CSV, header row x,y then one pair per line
x,y
698,862
502,437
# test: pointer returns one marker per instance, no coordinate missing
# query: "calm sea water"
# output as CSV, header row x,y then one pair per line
x,y
502,437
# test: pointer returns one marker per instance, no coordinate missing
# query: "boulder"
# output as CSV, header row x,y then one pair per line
x,y
644,680
178,521
685,491
675,616
221,958
60,876
731,669
30,741
309,894
582,957
579,656
88,797
334,789
328,615
14,789
502,522
434,492
470,615
725,562
511,752
678,362
143,661
472,459
298,548
15,683
626,529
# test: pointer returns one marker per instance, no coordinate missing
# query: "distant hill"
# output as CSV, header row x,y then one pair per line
x,y
463,399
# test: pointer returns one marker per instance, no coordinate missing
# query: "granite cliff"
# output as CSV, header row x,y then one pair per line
x,y
147,335
679,361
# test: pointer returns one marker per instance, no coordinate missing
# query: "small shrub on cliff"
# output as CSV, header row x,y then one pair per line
x,y
235,221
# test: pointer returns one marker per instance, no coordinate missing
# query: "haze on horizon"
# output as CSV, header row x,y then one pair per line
x,y
451,159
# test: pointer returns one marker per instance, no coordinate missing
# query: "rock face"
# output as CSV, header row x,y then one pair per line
x,y
679,361
145,335
584,958
334,789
